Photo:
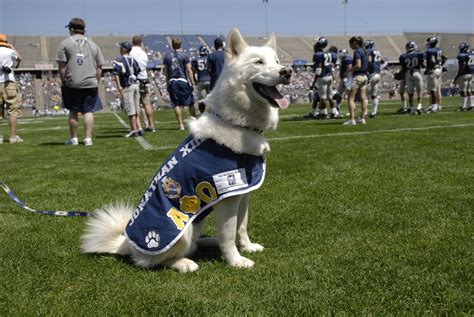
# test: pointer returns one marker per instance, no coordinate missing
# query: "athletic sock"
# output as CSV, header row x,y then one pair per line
x,y
404,104
464,102
314,111
334,110
471,101
375,105
323,111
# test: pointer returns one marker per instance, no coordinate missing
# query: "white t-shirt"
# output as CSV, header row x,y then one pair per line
x,y
142,59
7,57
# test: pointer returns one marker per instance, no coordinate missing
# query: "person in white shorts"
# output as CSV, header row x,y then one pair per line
x,y
464,77
375,62
345,63
412,61
323,63
434,63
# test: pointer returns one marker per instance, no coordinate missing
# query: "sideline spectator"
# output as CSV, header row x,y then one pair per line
x,y
126,71
139,55
359,80
8,89
215,63
179,78
80,67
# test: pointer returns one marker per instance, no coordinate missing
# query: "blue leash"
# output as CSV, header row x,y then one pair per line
x,y
42,212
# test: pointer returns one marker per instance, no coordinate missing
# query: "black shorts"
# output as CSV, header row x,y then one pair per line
x,y
181,94
81,100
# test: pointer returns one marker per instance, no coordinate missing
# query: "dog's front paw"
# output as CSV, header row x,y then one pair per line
x,y
182,265
252,247
241,262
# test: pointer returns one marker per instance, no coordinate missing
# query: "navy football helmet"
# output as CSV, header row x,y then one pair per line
x,y
431,42
411,46
322,42
203,51
463,47
369,44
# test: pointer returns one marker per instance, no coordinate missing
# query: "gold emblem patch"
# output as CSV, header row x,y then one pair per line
x,y
189,204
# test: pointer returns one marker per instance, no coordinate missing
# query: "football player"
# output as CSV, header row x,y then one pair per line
x,y
375,61
434,62
412,61
323,63
345,63
464,76
199,66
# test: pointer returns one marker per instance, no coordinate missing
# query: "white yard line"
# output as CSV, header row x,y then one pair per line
x,y
43,129
293,137
461,125
144,143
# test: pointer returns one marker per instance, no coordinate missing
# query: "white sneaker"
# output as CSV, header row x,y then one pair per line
x,y
72,141
350,122
15,139
361,121
87,141
132,134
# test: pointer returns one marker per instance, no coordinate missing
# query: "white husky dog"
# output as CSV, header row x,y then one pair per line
x,y
244,102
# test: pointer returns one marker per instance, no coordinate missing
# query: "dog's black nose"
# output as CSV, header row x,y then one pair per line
x,y
285,72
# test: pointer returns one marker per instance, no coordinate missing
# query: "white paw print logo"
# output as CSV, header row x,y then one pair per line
x,y
152,239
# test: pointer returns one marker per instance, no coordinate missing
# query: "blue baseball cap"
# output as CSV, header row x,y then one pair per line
x,y
125,45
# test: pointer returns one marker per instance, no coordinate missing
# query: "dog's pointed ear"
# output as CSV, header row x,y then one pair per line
x,y
272,42
235,44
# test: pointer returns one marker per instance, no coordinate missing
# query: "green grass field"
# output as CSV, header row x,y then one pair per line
x,y
374,219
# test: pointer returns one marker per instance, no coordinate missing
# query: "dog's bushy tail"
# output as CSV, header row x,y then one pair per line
x,y
104,230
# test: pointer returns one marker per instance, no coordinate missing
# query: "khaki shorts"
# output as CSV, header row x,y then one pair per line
x,y
9,96
203,89
464,82
373,86
414,81
145,93
131,100
325,87
433,80
359,82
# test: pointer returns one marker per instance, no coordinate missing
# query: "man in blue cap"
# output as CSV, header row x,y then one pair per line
x,y
126,70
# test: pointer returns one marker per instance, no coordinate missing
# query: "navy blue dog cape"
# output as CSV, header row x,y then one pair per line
x,y
196,176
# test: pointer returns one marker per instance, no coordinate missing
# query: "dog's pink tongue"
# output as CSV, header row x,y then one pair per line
x,y
281,100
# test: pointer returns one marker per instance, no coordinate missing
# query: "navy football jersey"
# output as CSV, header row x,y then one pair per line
x,y
346,61
466,63
199,65
412,60
175,62
360,54
430,53
374,66
327,60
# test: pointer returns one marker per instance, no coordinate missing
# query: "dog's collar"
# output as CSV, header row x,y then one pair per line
x,y
259,131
